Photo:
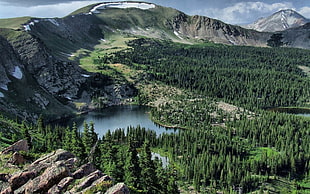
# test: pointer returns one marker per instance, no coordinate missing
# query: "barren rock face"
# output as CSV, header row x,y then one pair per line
x,y
54,173
21,145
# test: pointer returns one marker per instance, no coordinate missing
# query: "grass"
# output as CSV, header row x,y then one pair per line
x,y
13,23
258,153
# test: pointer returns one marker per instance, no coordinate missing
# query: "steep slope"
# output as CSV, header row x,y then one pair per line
x,y
297,37
279,21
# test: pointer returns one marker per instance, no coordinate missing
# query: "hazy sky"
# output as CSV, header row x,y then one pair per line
x,y
229,11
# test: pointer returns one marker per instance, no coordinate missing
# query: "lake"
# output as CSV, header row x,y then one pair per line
x,y
297,111
116,117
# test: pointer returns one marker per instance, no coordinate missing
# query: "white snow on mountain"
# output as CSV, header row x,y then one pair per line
x,y
121,5
17,73
1,95
279,21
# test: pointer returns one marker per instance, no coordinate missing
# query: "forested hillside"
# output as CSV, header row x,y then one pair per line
x,y
245,149
245,76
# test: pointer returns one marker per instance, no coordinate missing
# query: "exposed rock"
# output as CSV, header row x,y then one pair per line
x,y
119,188
105,179
61,186
84,170
88,181
50,159
21,178
21,145
4,177
71,163
17,159
51,176
8,190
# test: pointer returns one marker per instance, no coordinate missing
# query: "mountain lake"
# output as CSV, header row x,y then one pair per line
x,y
117,117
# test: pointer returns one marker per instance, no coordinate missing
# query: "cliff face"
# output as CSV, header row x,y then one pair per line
x,y
38,78
200,27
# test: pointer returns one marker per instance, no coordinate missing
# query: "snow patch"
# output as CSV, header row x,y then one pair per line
x,y
4,87
1,95
121,5
53,21
17,73
85,75
178,35
27,27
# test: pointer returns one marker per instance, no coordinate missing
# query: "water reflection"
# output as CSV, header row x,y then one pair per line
x,y
116,117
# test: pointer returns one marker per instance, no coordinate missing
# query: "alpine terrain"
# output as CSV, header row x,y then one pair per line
x,y
279,21
236,102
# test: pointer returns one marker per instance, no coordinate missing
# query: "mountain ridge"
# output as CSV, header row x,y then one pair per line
x,y
279,21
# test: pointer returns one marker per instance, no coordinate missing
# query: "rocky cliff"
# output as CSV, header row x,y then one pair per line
x,y
58,172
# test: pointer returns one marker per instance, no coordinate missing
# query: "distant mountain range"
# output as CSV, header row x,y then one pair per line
x,y
279,21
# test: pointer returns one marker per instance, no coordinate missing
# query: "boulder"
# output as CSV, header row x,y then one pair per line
x,y
19,179
84,170
88,181
21,145
17,159
61,186
50,159
51,176
71,163
119,188
103,181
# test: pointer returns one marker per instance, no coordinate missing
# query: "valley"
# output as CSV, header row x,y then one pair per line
x,y
210,80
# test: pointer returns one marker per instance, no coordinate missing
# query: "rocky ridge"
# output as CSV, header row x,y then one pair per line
x,y
279,21
59,172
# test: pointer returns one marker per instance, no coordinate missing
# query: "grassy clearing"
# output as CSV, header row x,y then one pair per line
x,y
259,152
111,44
13,23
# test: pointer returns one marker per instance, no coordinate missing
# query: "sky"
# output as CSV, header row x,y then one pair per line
x,y
229,11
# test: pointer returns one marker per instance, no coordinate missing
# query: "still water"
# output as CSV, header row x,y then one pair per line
x,y
116,117
297,111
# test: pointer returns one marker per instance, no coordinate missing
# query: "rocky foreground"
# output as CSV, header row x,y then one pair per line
x,y
57,172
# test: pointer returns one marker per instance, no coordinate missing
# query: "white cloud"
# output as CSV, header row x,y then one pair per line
x,y
245,12
305,11
56,10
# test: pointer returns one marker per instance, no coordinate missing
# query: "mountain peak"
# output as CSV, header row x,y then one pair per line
x,y
279,21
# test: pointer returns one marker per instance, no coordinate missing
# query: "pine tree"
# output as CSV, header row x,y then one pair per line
x,y
148,174
132,168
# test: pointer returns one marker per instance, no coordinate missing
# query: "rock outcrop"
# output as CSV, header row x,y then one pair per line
x,y
57,172
21,145
119,188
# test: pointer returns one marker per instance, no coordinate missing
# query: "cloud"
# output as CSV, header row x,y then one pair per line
x,y
55,10
23,3
305,11
245,12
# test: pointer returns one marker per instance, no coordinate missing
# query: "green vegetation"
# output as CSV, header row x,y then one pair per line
x,y
223,148
244,76
13,23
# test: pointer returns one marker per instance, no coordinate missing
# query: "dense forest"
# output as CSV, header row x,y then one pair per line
x,y
248,150
245,76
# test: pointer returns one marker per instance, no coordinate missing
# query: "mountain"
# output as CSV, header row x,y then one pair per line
x,y
279,21
40,65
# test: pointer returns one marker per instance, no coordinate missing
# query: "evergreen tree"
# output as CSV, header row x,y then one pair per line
x,y
148,175
132,168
